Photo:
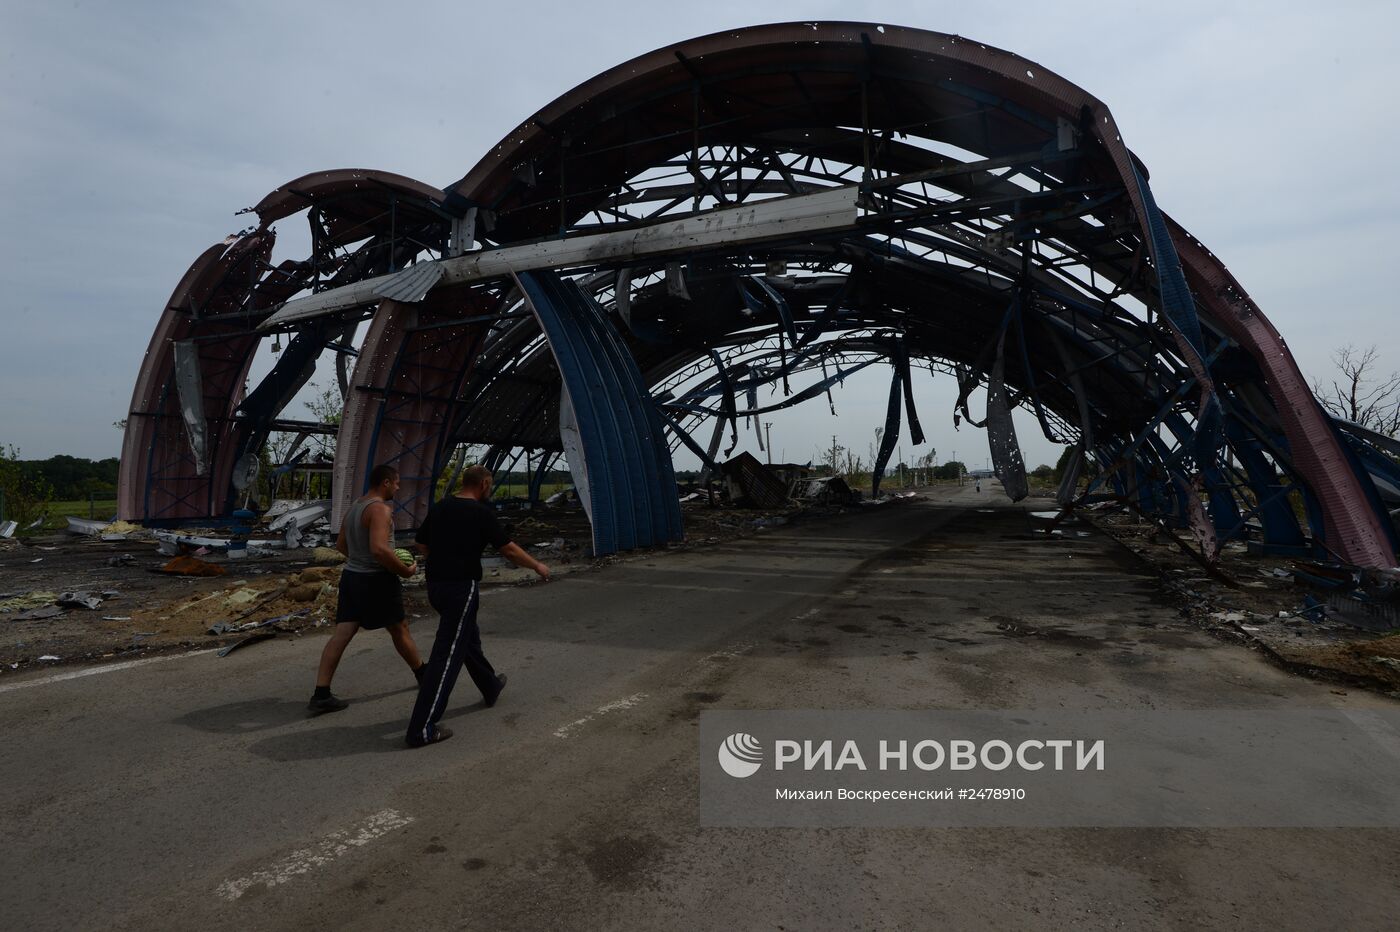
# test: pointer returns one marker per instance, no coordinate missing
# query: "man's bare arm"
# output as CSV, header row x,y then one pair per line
x,y
519,557
380,533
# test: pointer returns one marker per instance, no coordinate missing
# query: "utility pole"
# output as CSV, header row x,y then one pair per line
x,y
768,432
833,454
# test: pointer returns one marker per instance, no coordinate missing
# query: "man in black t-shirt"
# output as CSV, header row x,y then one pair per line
x,y
452,537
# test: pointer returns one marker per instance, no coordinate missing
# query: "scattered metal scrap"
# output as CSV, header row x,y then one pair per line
x,y
86,600
753,484
250,639
825,490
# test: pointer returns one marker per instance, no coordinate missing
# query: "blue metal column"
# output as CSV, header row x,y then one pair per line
x,y
632,487
1280,525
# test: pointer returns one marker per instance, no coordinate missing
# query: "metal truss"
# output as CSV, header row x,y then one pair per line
x,y
761,210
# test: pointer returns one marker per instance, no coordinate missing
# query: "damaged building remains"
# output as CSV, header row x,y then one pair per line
x,y
769,208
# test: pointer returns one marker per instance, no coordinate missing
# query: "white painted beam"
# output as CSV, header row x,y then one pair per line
x,y
747,224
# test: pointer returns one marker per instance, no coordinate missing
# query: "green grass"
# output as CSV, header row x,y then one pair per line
x,y
102,509
521,490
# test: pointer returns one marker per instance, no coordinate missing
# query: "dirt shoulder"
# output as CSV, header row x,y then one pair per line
x,y
1266,602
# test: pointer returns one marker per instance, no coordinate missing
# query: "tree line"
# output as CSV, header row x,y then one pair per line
x,y
69,477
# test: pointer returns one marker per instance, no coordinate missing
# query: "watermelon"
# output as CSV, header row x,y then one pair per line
x,y
404,556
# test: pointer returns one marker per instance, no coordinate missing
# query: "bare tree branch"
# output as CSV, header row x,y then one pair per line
x,y
1358,394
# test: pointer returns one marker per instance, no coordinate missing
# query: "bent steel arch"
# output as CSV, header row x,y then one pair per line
x,y
741,207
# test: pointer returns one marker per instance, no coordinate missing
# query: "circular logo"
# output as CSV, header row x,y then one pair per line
x,y
740,755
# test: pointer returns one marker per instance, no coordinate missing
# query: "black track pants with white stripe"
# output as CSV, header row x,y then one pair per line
x,y
458,645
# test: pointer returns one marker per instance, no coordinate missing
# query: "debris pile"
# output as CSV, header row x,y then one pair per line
x,y
1326,620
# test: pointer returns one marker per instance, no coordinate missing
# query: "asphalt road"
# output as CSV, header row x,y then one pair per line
x,y
194,793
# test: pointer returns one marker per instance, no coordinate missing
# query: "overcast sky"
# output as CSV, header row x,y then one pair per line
x,y
130,134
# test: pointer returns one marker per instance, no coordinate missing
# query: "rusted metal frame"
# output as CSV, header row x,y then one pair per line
x,y
1148,362
1241,418
1119,349
1073,211
538,403
936,238
169,483
1028,298
683,437
522,416
164,472
977,207
487,374
714,180
1283,491
804,395
447,437
1211,569
774,160
1167,407
1070,377
516,453
389,411
1020,161
1009,107
646,195
477,319
680,133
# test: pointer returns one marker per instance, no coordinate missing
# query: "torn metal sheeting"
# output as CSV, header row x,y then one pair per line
x,y
302,516
1001,431
8,528
86,526
824,490
87,600
216,543
189,384
250,639
753,483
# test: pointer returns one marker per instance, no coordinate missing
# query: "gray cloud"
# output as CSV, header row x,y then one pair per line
x,y
135,131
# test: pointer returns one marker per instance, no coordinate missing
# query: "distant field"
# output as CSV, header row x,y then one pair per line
x,y
79,508
520,489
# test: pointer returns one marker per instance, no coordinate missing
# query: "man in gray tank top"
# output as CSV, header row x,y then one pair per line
x,y
371,595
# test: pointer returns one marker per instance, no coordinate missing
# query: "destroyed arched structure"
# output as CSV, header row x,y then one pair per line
x,y
741,210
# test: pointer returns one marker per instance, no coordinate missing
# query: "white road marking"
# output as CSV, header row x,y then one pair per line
x,y
617,706
105,668
324,852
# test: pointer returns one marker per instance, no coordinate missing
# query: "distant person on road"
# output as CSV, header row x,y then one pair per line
x,y
452,537
979,485
371,595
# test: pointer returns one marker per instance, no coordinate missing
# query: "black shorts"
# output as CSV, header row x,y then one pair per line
x,y
371,600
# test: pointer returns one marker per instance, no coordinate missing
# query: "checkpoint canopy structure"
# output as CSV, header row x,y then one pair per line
x,y
773,207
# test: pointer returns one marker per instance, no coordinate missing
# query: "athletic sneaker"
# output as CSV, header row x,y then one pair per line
x,y
331,703
439,734
499,689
